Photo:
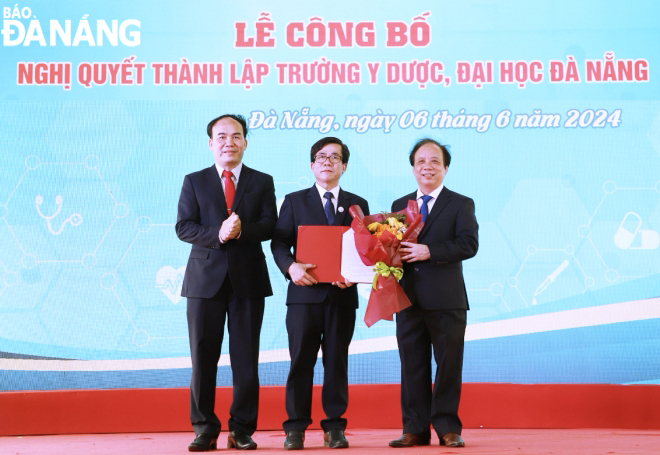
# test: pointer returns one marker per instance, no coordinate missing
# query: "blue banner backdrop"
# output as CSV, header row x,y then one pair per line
x,y
551,110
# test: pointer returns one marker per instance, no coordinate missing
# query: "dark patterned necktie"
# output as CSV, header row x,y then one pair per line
x,y
329,208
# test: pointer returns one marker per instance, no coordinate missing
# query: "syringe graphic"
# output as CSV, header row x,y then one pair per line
x,y
550,279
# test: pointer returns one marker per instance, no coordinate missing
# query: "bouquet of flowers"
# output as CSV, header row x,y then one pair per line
x,y
378,239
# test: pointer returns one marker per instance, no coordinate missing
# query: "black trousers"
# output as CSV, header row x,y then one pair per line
x,y
206,322
417,330
312,326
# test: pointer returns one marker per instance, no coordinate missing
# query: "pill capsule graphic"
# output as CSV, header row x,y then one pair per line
x,y
650,240
625,234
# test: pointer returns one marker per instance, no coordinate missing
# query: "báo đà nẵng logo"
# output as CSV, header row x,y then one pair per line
x,y
21,27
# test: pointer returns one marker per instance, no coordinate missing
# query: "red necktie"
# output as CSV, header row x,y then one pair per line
x,y
230,189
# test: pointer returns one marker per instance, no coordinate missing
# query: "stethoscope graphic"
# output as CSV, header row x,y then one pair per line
x,y
73,220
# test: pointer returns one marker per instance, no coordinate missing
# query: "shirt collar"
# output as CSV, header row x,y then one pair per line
x,y
434,194
236,171
334,191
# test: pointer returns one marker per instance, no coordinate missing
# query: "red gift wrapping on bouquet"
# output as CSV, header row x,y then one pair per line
x,y
388,297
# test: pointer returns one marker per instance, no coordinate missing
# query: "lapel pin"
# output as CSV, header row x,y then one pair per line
x,y
340,209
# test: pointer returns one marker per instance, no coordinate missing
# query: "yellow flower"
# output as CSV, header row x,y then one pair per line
x,y
373,227
391,224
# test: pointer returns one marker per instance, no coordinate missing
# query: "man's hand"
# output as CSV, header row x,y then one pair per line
x,y
237,226
230,228
299,275
342,285
413,252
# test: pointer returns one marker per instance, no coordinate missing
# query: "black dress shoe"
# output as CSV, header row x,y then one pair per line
x,y
241,441
203,443
409,440
335,439
294,440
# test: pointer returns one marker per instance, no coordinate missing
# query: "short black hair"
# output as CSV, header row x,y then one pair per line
x,y
239,118
318,145
446,157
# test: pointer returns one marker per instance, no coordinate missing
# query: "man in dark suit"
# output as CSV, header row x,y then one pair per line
x,y
433,281
226,211
319,315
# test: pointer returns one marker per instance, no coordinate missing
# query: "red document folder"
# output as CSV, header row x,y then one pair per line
x,y
321,245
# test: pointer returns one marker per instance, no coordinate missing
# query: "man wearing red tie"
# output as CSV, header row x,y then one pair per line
x,y
225,212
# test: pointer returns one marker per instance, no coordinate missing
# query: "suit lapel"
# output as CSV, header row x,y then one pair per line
x,y
409,197
215,184
443,199
243,182
343,202
316,206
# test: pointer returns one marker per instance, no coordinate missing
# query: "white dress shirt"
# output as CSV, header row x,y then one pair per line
x,y
434,194
335,195
236,175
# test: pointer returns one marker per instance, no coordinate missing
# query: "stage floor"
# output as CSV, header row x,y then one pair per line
x,y
362,441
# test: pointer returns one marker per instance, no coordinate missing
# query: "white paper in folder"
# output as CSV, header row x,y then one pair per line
x,y
352,267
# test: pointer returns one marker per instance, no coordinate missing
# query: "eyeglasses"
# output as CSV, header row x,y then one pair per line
x,y
334,159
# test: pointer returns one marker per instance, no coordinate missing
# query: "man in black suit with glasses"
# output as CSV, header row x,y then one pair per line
x,y
319,315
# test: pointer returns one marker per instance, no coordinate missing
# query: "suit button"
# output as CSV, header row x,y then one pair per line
x,y
416,269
